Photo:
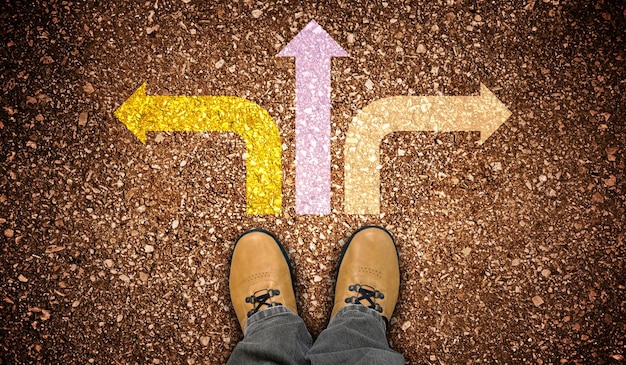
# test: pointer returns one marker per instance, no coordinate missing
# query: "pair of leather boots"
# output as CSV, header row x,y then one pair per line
x,y
261,274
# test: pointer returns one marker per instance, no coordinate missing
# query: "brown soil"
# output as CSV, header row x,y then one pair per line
x,y
512,251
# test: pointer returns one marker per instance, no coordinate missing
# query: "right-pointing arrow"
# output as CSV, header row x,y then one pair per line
x,y
484,113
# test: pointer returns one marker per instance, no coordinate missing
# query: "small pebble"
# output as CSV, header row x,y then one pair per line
x,y
45,315
82,119
88,88
496,166
204,340
150,30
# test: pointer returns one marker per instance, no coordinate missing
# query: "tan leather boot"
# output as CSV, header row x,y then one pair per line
x,y
369,273
260,275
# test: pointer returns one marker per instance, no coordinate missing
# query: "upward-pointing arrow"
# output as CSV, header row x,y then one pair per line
x,y
312,48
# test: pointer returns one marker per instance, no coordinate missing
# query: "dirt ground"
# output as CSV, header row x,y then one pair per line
x,y
116,252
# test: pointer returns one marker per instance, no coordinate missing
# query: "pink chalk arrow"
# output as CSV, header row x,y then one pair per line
x,y
312,48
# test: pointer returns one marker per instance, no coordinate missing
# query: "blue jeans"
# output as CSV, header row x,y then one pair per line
x,y
278,336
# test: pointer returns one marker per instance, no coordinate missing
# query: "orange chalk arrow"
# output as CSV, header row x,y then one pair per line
x,y
484,113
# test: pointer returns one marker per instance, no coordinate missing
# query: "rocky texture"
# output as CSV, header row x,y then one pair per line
x,y
117,252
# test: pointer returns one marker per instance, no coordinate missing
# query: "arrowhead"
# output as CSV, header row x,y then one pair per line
x,y
496,113
313,42
131,113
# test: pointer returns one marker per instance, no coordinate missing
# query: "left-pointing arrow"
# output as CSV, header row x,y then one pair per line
x,y
141,113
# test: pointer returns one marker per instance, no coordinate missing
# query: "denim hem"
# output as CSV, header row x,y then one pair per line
x,y
265,314
350,309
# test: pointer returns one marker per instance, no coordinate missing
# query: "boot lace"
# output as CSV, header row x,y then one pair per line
x,y
367,294
260,298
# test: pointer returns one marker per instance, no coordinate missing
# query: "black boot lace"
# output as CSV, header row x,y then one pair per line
x,y
366,293
260,298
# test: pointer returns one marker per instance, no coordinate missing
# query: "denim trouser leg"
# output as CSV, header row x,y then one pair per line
x,y
273,336
355,335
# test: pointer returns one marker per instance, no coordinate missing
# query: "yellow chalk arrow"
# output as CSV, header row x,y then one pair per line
x,y
141,113
484,113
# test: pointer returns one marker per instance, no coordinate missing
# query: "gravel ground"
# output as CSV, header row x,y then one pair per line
x,y
116,252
